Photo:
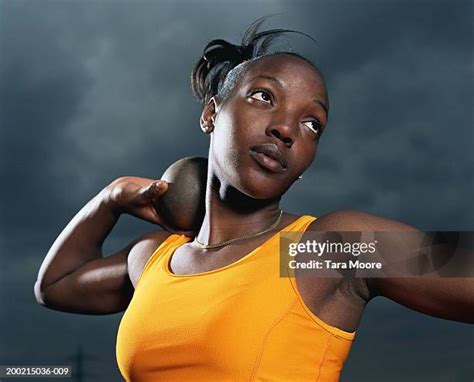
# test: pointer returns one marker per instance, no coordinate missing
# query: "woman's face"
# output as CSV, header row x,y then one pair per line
x,y
266,133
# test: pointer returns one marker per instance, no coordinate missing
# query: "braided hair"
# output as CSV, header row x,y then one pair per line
x,y
222,63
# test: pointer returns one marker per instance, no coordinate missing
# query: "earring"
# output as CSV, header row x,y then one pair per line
x,y
300,177
207,127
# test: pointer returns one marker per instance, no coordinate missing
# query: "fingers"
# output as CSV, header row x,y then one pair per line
x,y
159,188
153,191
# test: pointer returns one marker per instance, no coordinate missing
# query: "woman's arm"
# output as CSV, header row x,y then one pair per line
x,y
74,275
451,298
104,285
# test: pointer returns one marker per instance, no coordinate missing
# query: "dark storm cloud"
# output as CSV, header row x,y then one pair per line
x,y
90,91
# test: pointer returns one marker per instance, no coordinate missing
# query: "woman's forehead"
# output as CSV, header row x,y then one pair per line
x,y
286,64
288,70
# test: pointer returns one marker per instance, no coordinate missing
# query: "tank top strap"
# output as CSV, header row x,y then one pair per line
x,y
167,247
295,231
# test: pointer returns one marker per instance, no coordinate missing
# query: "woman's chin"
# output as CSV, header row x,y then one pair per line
x,y
261,189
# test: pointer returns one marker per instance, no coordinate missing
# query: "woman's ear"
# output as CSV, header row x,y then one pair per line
x,y
208,116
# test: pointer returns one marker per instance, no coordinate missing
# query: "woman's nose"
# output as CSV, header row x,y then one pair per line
x,y
283,131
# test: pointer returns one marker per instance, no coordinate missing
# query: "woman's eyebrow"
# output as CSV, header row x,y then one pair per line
x,y
320,103
270,78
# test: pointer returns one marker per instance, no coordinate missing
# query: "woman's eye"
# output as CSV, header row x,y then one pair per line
x,y
314,126
261,95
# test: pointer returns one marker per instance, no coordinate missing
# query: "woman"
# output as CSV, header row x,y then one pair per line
x,y
212,306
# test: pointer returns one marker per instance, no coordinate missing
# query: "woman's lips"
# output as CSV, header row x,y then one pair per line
x,y
267,161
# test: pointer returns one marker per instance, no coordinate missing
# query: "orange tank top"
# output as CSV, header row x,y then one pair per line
x,y
241,322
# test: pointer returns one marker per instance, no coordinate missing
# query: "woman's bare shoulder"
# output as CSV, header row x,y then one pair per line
x,y
141,251
355,220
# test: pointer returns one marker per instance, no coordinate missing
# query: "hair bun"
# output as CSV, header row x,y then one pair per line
x,y
220,57
218,51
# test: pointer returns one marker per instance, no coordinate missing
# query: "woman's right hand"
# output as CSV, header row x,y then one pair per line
x,y
137,196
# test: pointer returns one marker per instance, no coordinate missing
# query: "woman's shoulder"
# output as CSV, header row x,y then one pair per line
x,y
143,248
336,220
355,220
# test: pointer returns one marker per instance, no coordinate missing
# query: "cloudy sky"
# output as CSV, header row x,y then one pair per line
x,y
93,90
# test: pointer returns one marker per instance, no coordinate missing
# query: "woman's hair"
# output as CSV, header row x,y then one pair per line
x,y
222,63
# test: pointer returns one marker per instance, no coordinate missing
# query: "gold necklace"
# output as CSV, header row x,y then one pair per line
x,y
227,242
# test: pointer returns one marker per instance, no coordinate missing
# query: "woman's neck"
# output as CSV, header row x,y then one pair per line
x,y
231,214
